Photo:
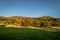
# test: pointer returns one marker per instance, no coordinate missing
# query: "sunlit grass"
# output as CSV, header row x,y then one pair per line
x,y
27,34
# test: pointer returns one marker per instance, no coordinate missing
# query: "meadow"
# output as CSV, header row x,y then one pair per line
x,y
27,34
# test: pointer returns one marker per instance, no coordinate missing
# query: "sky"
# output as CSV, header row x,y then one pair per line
x,y
30,8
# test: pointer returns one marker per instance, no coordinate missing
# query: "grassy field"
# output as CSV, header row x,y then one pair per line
x,y
27,34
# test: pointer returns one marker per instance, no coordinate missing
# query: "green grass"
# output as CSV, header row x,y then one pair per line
x,y
27,34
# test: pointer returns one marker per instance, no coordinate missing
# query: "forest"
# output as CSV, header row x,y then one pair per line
x,y
44,21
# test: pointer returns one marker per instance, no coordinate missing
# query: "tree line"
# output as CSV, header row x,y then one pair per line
x,y
45,21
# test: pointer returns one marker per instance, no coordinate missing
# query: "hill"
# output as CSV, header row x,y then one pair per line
x,y
20,21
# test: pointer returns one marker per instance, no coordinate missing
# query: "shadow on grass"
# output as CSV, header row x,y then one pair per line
x,y
27,34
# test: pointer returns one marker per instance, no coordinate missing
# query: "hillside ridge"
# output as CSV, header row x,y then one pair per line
x,y
21,21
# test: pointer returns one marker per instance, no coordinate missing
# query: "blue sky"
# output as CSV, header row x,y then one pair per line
x,y
30,8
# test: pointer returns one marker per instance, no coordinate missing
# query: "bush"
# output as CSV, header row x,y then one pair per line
x,y
2,25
